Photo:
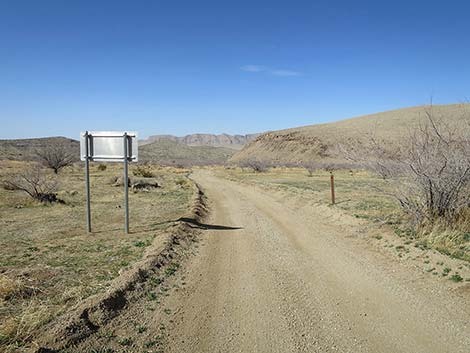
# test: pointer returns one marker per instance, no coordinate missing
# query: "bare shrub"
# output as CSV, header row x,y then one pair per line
x,y
314,166
257,166
377,157
55,157
34,182
310,167
430,172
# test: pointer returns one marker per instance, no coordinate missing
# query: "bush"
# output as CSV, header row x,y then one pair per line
x,y
430,172
143,171
35,183
55,157
257,166
102,167
182,183
310,167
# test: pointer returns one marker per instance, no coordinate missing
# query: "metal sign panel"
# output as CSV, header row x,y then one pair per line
x,y
108,146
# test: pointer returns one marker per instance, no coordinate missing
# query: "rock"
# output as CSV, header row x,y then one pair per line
x,y
145,184
119,181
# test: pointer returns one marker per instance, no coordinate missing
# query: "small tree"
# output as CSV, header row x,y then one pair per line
x,y
55,157
257,165
35,183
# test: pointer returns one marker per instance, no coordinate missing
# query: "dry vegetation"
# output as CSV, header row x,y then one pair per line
x,y
48,263
429,175
56,157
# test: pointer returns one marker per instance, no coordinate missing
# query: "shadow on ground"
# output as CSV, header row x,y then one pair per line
x,y
195,224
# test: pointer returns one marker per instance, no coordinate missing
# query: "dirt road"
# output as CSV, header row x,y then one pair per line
x,y
273,277
286,282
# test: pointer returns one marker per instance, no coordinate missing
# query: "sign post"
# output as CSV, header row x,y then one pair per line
x,y
126,184
108,146
87,182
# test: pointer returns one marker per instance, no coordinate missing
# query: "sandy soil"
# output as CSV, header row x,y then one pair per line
x,y
272,277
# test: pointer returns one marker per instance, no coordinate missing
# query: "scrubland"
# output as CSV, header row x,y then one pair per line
x,y
48,262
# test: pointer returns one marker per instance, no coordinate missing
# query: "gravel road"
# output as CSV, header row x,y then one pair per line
x,y
290,281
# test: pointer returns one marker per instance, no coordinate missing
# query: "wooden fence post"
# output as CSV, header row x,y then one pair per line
x,y
332,182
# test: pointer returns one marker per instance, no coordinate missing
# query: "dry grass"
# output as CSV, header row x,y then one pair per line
x,y
49,263
319,142
361,195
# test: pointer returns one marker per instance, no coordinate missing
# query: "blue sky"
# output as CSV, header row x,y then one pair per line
x,y
180,67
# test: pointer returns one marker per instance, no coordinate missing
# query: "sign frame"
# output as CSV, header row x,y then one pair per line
x,y
107,146
115,146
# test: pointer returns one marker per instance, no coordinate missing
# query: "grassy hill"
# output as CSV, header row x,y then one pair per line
x,y
26,149
170,152
318,142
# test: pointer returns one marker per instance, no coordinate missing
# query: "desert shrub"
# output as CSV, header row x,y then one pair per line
x,y
429,173
291,164
184,183
55,157
102,167
143,171
9,287
311,167
256,165
34,182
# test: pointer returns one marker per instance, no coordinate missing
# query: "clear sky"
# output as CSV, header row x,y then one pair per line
x,y
240,66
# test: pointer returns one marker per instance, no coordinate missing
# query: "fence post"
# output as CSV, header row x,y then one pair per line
x,y
332,183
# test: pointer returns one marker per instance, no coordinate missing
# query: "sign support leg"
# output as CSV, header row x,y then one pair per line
x,y
87,182
126,185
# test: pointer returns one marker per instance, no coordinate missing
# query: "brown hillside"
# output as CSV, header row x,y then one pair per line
x,y
318,142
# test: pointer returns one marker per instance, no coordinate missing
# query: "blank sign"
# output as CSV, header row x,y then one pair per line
x,y
108,146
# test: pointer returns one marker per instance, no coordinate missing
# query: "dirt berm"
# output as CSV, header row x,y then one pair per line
x,y
98,310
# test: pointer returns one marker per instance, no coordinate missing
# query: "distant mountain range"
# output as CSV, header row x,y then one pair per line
x,y
235,142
